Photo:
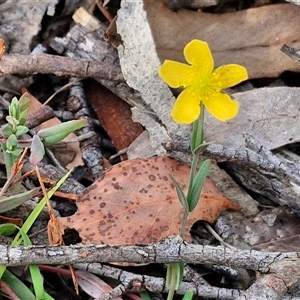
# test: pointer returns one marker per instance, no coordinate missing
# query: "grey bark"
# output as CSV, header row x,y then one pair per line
x,y
279,271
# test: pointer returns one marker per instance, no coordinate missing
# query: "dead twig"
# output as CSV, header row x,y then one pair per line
x,y
58,65
279,271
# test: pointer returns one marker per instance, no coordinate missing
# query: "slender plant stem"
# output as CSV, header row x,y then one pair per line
x,y
171,294
197,133
183,224
197,139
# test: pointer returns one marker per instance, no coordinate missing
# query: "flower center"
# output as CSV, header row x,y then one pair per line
x,y
208,84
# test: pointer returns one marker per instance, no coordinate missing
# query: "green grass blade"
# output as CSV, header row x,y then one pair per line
x,y
33,216
19,288
36,276
37,210
188,295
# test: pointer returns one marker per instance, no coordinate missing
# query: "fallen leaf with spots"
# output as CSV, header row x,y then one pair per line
x,y
135,202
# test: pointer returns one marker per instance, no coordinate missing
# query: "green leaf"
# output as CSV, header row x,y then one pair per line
x,y
14,109
7,229
37,281
21,130
198,182
13,122
16,152
201,148
19,288
10,202
174,275
37,210
145,295
37,150
188,295
7,130
11,143
36,276
180,194
24,108
54,134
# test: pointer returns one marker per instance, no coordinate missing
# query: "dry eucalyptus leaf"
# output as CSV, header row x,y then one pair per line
x,y
135,203
251,37
141,147
113,114
271,115
93,285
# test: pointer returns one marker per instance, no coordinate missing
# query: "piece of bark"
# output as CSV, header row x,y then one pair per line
x,y
20,23
91,147
37,117
74,45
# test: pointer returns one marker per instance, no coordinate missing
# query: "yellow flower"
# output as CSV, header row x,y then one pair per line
x,y
202,84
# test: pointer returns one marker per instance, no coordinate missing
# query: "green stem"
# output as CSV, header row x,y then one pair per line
x,y
196,140
183,223
197,133
171,294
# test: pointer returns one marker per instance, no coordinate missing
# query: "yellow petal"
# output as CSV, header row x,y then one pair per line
x,y
221,106
229,75
186,108
197,53
176,74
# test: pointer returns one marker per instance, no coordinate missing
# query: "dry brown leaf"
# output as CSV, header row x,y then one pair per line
x,y
93,285
114,115
17,221
55,231
251,37
70,149
135,203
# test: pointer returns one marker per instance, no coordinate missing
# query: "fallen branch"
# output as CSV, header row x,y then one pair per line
x,y
279,271
171,249
58,65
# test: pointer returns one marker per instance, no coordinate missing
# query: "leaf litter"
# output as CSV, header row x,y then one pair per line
x,y
135,202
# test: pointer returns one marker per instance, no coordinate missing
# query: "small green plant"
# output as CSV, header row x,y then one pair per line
x,y
14,145
16,285
203,88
